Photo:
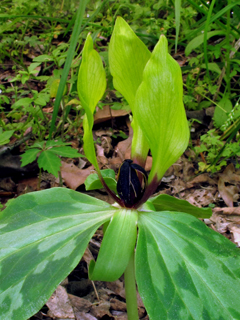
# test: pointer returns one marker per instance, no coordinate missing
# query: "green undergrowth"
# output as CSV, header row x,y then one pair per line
x,y
41,49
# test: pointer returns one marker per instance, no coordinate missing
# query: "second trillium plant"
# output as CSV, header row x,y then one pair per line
x,y
183,269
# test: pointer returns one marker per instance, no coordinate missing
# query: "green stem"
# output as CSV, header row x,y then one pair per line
x,y
130,290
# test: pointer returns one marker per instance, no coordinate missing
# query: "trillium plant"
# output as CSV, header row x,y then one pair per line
x,y
182,268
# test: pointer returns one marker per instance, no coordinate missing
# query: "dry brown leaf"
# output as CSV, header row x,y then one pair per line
x,y
101,159
200,197
73,176
202,178
225,192
87,256
118,305
101,310
235,230
229,174
84,316
59,305
79,304
106,143
107,113
227,211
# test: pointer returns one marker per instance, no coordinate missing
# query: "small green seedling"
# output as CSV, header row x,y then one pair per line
x,y
47,154
5,136
183,269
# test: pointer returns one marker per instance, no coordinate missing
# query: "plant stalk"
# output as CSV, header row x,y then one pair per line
x,y
130,290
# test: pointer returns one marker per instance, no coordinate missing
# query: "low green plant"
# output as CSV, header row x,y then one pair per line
x,y
5,136
211,145
47,154
183,269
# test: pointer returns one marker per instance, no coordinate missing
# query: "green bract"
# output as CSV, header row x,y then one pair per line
x,y
128,56
183,269
159,109
91,87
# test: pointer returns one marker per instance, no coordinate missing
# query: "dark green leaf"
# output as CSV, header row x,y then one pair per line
x,y
93,182
49,162
29,156
164,202
66,151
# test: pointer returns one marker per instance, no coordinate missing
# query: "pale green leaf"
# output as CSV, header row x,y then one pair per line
x,y
49,162
29,156
24,102
212,66
93,182
38,144
116,248
221,111
185,270
66,151
196,42
5,137
159,109
33,66
128,56
91,77
91,86
164,202
43,236
56,143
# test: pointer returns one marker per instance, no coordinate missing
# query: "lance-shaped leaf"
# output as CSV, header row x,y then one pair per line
x,y
91,86
185,270
164,202
128,56
43,236
116,248
159,109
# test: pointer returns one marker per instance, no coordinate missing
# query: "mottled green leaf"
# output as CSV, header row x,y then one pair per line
x,y
159,109
116,248
29,156
128,56
164,202
93,182
185,270
49,162
43,236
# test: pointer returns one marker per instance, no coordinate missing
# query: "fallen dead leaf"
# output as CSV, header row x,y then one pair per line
x,y
106,113
101,310
84,316
235,230
79,304
59,305
202,178
227,211
229,174
228,193
118,305
73,176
